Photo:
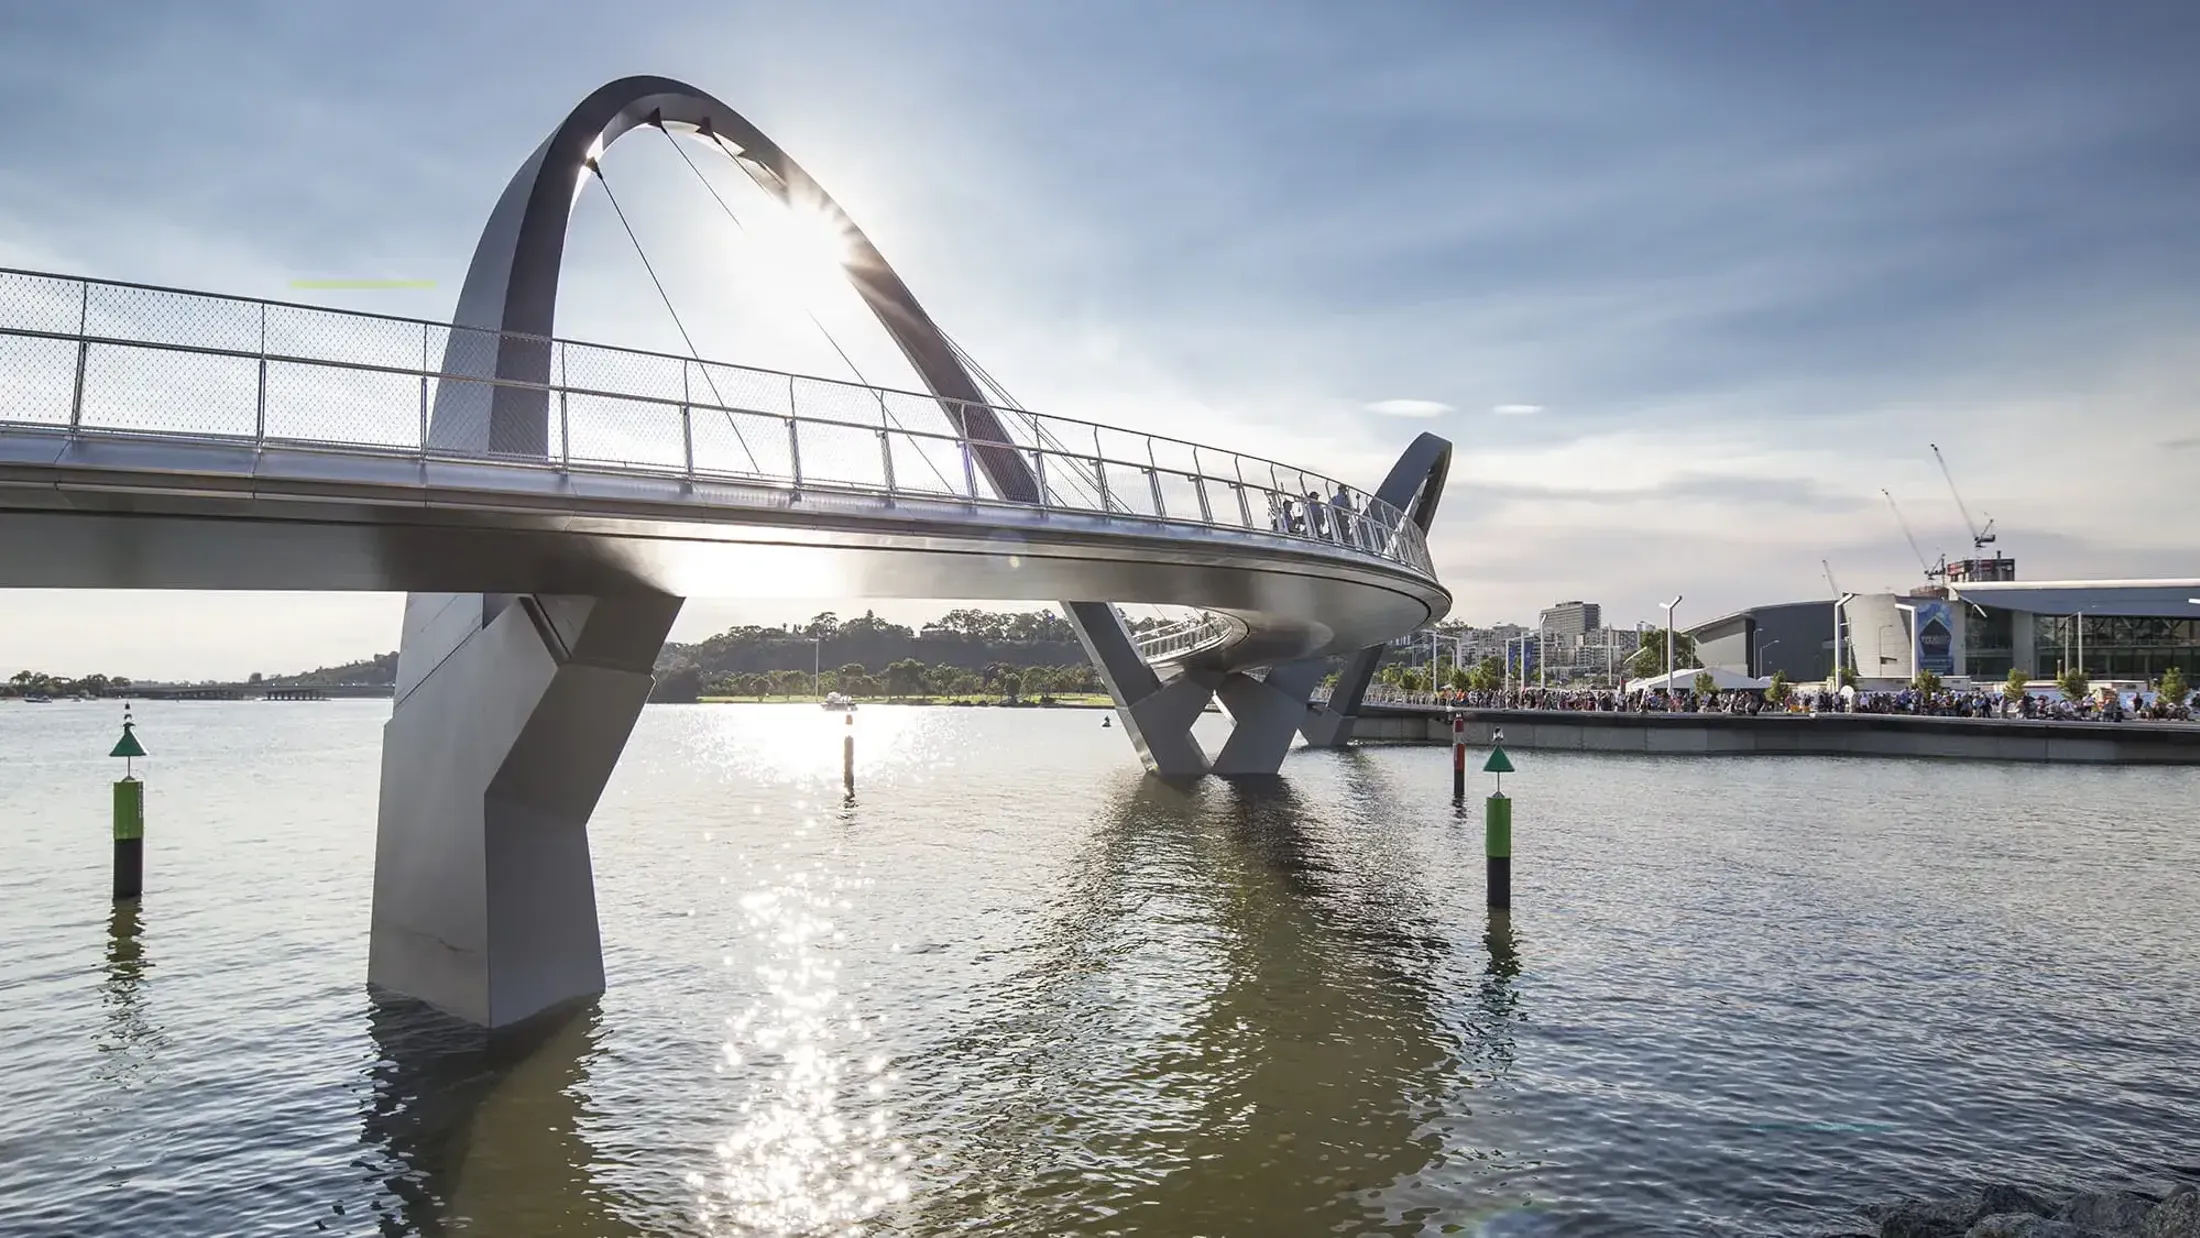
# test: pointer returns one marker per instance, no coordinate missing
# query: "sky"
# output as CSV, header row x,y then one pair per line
x,y
1686,284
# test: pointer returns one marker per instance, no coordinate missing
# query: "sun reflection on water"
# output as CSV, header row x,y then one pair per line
x,y
812,1147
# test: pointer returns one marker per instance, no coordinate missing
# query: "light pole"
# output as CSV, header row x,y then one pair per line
x,y
817,668
1759,669
1669,641
1840,617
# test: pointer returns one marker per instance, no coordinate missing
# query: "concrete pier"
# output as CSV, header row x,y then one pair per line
x,y
1881,735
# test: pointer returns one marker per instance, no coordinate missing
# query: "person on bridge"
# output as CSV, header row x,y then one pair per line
x,y
1317,524
1344,509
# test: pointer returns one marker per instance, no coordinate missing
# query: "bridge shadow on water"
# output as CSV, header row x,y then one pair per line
x,y
480,1130
1235,1020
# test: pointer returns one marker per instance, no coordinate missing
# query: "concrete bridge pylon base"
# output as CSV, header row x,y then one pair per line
x,y
511,713
1266,714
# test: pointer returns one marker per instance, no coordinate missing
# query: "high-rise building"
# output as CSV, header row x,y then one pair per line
x,y
1575,619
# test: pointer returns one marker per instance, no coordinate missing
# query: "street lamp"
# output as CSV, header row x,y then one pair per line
x,y
1669,641
1840,618
1762,645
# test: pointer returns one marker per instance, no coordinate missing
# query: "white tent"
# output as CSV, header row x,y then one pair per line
x,y
1684,680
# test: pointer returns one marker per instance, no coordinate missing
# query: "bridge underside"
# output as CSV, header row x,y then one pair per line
x,y
119,514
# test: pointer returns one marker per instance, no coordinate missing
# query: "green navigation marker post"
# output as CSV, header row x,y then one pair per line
x,y
129,815
1497,829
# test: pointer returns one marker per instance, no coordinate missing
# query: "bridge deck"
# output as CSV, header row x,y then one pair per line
x,y
159,439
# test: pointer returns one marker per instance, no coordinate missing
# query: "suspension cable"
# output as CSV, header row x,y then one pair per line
x,y
885,413
597,168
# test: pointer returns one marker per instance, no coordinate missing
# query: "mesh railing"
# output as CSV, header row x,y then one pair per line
x,y
88,357
1196,632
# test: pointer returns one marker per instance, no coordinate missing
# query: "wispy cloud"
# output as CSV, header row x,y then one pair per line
x,y
1408,408
1516,410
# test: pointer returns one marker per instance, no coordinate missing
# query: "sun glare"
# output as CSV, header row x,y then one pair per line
x,y
817,234
805,248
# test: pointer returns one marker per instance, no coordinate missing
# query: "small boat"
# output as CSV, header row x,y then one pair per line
x,y
38,698
835,701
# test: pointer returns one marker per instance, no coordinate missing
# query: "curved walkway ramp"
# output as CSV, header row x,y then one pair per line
x,y
547,504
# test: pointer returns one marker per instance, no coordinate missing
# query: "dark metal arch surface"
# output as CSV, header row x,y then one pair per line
x,y
1415,486
512,284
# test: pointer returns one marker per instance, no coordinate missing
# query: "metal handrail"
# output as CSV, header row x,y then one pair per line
x,y
1214,490
1182,636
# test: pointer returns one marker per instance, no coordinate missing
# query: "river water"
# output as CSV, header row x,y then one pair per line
x,y
1018,988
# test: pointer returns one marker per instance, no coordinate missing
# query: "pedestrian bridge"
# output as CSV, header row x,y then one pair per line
x,y
154,438
546,504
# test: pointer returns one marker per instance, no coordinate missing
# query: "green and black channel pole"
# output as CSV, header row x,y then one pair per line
x,y
1497,830
129,816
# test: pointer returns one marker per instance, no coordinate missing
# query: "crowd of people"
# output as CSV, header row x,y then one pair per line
x,y
1974,703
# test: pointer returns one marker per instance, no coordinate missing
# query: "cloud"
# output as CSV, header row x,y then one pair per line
x,y
1408,408
1516,410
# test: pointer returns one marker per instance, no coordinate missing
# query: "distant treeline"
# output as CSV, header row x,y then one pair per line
x,y
379,669
972,640
978,641
39,683
907,679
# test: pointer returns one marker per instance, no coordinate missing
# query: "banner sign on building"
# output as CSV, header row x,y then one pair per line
x,y
1936,638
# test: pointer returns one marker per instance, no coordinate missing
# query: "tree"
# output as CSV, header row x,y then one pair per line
x,y
1779,689
255,678
1487,675
2173,691
1927,682
2012,688
751,684
1648,660
1705,685
824,626
2075,686
1847,678
905,678
1012,685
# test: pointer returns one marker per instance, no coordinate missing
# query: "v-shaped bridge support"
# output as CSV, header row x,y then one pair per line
x,y
1267,711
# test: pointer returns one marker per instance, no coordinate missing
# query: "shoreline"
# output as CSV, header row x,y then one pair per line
x,y
1864,735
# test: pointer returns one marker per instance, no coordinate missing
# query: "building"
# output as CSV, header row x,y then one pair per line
x,y
1572,619
1791,637
1980,628
2108,629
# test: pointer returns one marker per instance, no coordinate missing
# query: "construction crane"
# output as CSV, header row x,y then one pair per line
x,y
1932,571
1980,538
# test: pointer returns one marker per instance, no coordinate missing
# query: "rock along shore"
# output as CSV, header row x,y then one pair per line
x,y
2008,1211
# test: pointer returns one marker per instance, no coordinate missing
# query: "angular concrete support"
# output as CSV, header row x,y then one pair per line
x,y
1414,486
1267,714
511,713
1157,716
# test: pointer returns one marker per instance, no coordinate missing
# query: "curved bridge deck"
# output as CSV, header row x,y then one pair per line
x,y
152,438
